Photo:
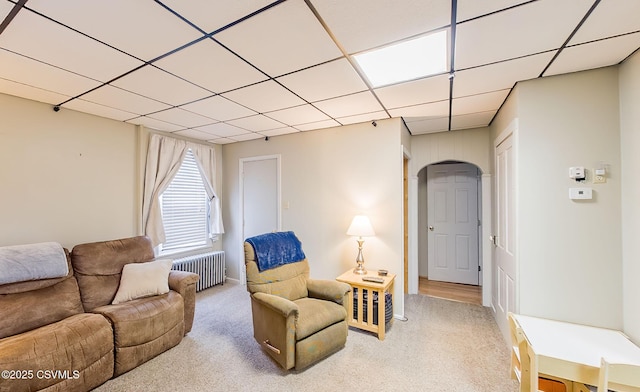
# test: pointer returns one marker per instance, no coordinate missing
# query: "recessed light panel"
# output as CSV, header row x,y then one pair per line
x,y
407,60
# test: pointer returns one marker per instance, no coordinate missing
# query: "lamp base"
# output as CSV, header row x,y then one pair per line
x,y
359,270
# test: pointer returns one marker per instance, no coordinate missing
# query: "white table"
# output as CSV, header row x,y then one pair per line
x,y
572,351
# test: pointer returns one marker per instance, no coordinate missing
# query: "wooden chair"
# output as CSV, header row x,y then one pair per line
x,y
620,377
522,364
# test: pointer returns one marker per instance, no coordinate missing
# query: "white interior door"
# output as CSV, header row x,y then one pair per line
x,y
452,215
260,205
504,289
260,196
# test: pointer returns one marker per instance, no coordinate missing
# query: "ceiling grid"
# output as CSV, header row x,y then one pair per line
x,y
224,72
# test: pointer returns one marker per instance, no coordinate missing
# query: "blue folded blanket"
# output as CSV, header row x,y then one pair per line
x,y
276,249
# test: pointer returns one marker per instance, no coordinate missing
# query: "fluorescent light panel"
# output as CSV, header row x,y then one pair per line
x,y
406,60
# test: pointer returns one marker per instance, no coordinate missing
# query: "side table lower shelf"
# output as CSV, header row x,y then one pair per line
x,y
357,318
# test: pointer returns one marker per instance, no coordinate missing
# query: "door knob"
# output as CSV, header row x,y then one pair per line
x,y
430,228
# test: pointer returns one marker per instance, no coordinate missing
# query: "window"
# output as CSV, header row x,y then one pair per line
x,y
185,208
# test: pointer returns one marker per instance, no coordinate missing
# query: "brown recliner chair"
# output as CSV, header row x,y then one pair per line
x,y
143,327
297,320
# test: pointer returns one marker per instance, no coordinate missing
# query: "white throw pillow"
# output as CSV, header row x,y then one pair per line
x,y
140,280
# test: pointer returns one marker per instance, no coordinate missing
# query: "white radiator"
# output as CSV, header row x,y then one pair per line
x,y
210,266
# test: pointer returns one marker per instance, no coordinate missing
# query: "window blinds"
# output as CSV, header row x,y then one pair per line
x,y
185,208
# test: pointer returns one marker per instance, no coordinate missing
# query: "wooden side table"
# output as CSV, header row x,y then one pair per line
x,y
356,282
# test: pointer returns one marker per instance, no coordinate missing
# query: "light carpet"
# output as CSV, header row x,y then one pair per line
x,y
443,346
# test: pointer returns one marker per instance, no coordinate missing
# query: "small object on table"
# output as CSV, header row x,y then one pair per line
x,y
374,279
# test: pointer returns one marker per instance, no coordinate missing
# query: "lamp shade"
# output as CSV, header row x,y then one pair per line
x,y
361,227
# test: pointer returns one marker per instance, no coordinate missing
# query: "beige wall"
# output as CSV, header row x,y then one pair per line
x,y
70,177
328,176
630,157
67,176
569,252
471,145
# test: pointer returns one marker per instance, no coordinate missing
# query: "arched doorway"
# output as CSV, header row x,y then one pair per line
x,y
449,231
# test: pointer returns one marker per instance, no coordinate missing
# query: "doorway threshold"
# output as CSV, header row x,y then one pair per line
x,y
451,291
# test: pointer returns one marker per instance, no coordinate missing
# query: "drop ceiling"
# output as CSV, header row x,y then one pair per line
x,y
231,71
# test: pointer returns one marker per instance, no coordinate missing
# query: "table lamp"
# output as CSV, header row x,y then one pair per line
x,y
360,227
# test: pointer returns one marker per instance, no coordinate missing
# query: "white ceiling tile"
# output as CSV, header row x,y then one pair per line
x,y
285,38
328,80
221,140
144,28
219,108
209,65
473,120
182,117
36,37
479,103
256,123
36,94
581,57
500,75
298,115
534,27
433,109
124,100
37,74
608,19
246,136
279,131
194,134
222,130
99,110
349,105
422,125
155,124
363,24
318,125
264,97
211,15
416,92
159,85
5,8
368,117
468,9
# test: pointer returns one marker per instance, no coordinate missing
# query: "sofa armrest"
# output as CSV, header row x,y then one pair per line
x,y
185,284
329,290
281,305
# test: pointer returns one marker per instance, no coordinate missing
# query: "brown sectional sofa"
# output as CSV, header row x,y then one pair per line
x,y
68,326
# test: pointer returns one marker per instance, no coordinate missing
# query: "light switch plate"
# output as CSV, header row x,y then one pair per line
x,y
580,193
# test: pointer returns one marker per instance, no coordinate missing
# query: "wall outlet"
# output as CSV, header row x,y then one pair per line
x,y
599,179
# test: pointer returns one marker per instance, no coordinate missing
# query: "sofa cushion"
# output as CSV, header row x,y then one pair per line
x,y
145,319
139,280
27,310
314,315
80,346
98,266
144,328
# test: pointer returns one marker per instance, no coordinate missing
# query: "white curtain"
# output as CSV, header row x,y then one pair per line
x,y
164,158
163,162
206,159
